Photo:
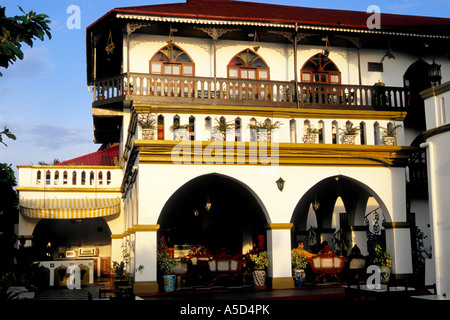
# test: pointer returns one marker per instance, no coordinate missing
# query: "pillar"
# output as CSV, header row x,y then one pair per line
x,y
279,249
146,247
359,237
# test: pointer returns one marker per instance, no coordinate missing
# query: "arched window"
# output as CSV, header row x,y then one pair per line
x,y
247,64
172,60
160,127
320,69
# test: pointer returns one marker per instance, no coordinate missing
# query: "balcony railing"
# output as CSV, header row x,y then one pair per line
x,y
221,91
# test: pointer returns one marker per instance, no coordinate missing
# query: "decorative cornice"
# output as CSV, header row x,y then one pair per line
x,y
146,227
273,112
281,226
282,154
68,189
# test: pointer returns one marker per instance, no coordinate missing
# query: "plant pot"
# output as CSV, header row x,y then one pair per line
x,y
259,278
385,274
263,136
389,141
310,138
169,282
148,134
348,139
181,134
299,277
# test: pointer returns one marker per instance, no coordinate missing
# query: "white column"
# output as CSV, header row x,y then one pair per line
x,y
145,255
279,249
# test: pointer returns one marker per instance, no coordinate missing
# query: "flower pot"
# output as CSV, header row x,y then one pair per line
x,y
169,282
181,134
348,139
299,277
389,141
385,273
148,134
259,277
310,138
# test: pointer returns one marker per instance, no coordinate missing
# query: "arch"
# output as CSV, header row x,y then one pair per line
x,y
238,129
320,69
236,216
160,127
247,64
326,193
172,60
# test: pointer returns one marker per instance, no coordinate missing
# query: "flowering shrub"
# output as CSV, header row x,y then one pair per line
x,y
298,259
261,260
382,258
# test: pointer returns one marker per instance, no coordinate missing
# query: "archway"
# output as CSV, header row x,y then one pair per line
x,y
73,239
416,79
236,219
333,203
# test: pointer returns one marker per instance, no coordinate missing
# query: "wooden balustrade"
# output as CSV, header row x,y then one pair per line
x,y
268,93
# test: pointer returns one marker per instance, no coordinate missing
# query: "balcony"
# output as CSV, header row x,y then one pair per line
x,y
167,89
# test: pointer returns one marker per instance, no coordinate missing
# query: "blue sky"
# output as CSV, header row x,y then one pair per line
x,y
44,99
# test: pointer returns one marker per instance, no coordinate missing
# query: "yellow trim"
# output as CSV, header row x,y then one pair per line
x,y
296,154
273,112
56,167
68,189
282,283
146,227
145,287
117,236
281,226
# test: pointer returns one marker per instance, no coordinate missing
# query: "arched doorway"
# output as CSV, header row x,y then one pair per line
x,y
74,239
334,203
416,79
234,218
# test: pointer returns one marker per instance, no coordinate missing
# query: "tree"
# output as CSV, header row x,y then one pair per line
x,y
8,134
16,30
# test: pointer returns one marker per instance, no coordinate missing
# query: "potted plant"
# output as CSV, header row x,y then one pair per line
x,y
341,240
166,263
299,264
128,87
222,127
382,259
264,129
181,131
261,262
148,125
389,134
380,95
349,133
311,135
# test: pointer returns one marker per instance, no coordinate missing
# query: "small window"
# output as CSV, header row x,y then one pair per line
x,y
375,66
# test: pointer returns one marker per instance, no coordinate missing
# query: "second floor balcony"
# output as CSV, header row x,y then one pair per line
x,y
169,89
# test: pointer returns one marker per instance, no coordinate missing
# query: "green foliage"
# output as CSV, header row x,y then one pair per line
x,y
165,262
349,130
8,134
265,125
261,260
298,259
390,131
16,30
382,258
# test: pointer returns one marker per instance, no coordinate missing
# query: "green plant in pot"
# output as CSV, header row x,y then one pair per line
x,y
389,134
349,133
148,125
299,264
223,127
166,263
384,260
261,262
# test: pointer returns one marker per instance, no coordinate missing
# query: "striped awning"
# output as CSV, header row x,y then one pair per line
x,y
69,208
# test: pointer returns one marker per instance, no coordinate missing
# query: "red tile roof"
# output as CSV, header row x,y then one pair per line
x,y
263,12
105,157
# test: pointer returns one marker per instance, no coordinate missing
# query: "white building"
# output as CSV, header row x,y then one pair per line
x,y
190,64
